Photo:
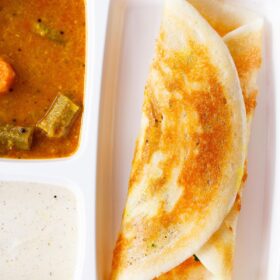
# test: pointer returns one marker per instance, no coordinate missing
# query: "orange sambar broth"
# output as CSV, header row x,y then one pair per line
x,y
43,68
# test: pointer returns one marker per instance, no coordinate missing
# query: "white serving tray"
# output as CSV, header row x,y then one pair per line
x,y
132,27
120,46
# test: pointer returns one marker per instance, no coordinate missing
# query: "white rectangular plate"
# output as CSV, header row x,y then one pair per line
x,y
131,31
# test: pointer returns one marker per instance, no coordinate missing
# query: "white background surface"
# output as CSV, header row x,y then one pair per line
x,y
131,33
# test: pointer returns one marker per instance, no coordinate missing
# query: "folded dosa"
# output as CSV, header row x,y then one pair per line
x,y
242,31
190,154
